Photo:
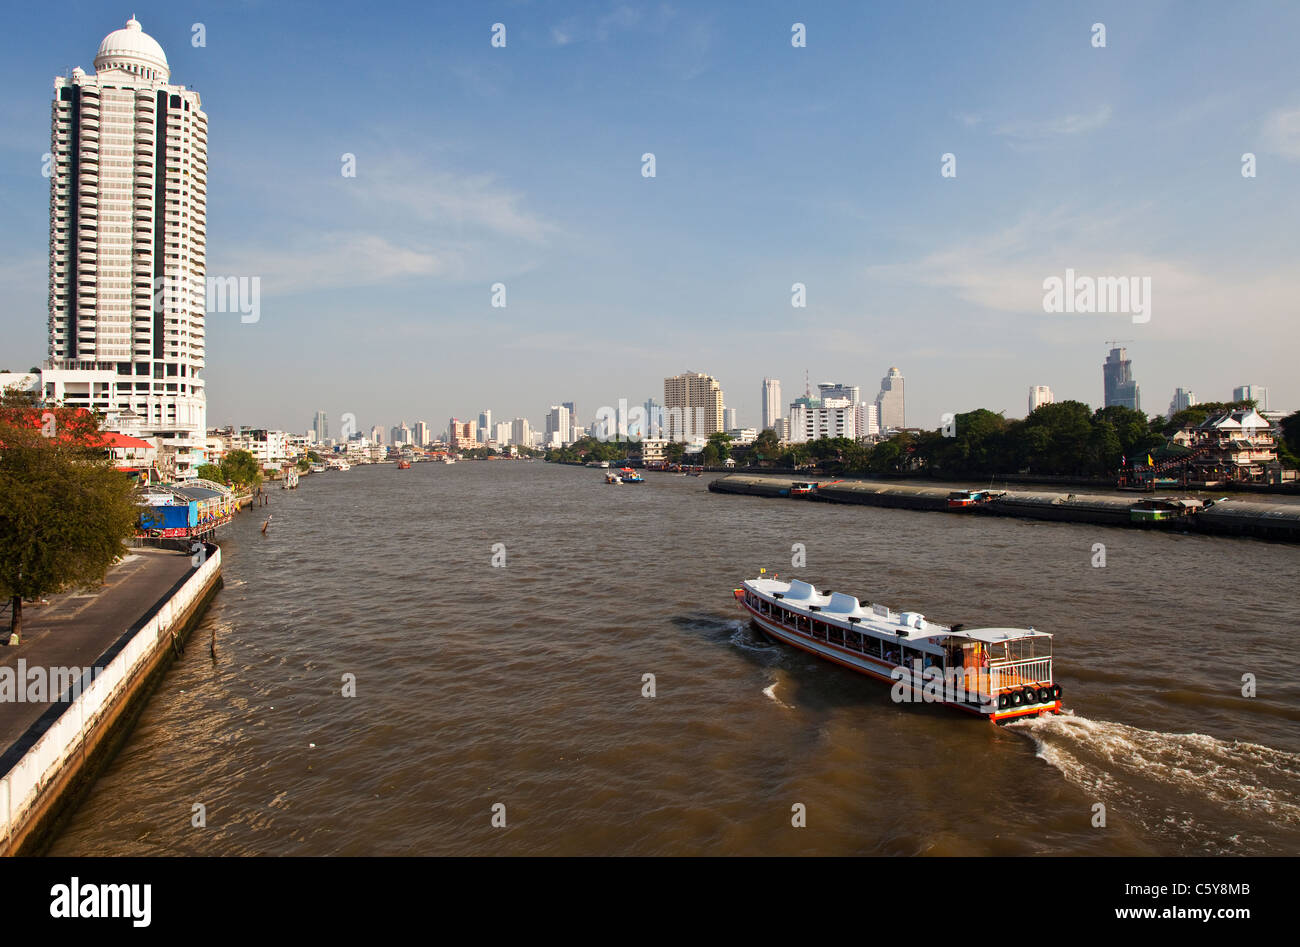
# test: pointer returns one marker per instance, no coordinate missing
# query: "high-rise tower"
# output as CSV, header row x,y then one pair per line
x,y
1117,376
771,402
889,403
128,217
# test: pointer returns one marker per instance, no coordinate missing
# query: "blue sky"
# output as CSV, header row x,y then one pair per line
x,y
774,165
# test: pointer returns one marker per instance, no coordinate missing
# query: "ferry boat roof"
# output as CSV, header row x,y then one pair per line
x,y
839,607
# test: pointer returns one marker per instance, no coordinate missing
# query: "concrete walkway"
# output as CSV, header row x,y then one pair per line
x,y
76,628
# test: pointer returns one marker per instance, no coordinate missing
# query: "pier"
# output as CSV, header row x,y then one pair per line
x,y
1258,518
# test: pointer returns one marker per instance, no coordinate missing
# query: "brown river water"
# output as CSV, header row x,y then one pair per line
x,y
522,685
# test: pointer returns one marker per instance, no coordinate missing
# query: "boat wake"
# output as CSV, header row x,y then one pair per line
x,y
1207,793
770,693
745,636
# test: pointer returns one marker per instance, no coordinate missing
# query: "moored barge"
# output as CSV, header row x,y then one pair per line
x,y
997,673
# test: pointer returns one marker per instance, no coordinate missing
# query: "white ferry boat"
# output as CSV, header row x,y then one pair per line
x,y
998,673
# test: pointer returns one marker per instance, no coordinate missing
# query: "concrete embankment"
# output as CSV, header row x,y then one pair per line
x,y
1255,518
96,658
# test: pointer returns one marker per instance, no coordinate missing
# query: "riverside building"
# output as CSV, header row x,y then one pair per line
x,y
692,406
128,216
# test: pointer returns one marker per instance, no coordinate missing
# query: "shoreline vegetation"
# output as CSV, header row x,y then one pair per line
x,y
1064,443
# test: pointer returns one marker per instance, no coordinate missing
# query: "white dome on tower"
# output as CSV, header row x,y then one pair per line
x,y
131,49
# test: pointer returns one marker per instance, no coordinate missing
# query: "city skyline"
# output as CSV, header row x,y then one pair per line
x,y
385,274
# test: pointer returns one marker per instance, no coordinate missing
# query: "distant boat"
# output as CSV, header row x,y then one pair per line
x,y
1164,509
448,459
604,463
630,476
803,488
964,499
612,477
403,465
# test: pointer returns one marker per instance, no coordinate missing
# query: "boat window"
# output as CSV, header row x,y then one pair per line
x,y
836,635
871,645
819,630
853,640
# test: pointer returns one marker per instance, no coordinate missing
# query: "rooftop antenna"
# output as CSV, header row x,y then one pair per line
x,y
807,388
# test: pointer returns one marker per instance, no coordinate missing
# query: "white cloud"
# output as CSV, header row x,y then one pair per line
x,y
333,261
1026,130
1003,271
1281,132
409,189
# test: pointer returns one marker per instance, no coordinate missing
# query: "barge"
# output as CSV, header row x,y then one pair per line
x,y
997,673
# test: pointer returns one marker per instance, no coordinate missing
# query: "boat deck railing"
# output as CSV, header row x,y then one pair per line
x,y
1035,671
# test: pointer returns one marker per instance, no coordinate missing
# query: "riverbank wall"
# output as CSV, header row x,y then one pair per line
x,y
50,767
1231,517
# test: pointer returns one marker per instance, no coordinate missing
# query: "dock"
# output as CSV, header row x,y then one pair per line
x,y
1254,517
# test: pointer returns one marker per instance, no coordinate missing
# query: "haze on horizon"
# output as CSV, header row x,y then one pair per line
x,y
774,165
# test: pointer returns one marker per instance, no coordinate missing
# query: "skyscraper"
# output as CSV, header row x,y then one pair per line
x,y
1117,376
889,403
692,405
377,435
1040,395
852,393
1256,393
1183,399
771,402
128,212
321,427
421,434
654,418
485,425
572,435
558,426
729,422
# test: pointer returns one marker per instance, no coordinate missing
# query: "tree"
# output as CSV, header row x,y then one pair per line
x,y
241,468
674,452
766,447
720,441
1289,448
211,472
64,510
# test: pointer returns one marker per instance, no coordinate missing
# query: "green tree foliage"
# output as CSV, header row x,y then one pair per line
x,y
1289,446
592,449
64,510
1062,439
766,447
241,468
211,472
717,449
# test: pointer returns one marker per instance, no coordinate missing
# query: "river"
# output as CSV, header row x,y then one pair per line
x,y
514,693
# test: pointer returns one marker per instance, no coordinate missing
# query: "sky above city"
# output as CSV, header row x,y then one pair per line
x,y
774,165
